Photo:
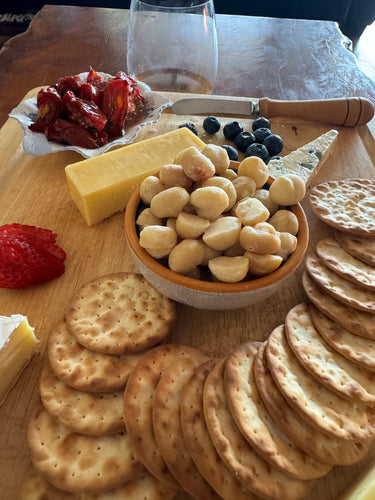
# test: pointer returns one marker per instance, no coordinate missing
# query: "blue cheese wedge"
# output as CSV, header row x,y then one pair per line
x,y
307,160
17,344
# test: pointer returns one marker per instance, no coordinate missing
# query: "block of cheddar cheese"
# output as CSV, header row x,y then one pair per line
x,y
17,344
102,186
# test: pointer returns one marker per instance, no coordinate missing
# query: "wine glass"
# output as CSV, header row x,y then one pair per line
x,y
172,45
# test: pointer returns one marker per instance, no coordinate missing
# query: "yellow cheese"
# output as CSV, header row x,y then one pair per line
x,y
363,488
102,186
17,343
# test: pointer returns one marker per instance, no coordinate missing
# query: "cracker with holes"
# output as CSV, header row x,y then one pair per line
x,y
120,313
36,487
84,369
348,205
77,462
326,365
360,323
344,264
357,349
251,469
199,443
320,445
255,423
360,248
167,427
95,414
319,406
138,403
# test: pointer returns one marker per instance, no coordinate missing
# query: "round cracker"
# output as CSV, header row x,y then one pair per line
x,y
360,248
168,431
319,406
35,487
76,462
344,264
340,288
251,469
326,365
138,402
347,204
360,323
84,369
95,414
353,347
322,446
199,443
120,313
255,423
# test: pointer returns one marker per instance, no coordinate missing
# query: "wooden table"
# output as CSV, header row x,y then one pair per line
x,y
33,190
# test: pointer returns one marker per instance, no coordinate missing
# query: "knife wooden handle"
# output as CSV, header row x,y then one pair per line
x,y
348,112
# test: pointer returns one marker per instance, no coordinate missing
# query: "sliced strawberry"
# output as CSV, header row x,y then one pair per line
x,y
28,255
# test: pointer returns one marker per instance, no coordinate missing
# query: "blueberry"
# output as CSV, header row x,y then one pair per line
x,y
259,150
261,122
190,126
274,144
231,129
243,141
211,125
275,158
232,152
261,133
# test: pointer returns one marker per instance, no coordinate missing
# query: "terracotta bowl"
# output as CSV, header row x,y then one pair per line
x,y
206,294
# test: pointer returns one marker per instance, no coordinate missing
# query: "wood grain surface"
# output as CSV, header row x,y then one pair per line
x,y
33,190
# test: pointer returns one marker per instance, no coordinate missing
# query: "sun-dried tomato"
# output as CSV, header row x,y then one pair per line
x,y
49,104
85,113
66,83
115,105
89,92
71,133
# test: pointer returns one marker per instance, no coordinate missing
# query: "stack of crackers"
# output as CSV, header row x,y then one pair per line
x,y
77,439
125,415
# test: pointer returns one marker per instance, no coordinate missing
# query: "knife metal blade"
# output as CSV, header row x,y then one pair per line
x,y
204,105
345,111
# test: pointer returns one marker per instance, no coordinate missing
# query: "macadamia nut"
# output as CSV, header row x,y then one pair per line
x,y
223,233
209,202
261,238
150,187
196,165
263,195
224,184
245,187
170,202
174,175
186,256
255,168
190,225
229,269
250,211
147,218
158,241
218,156
285,221
288,245
260,264
288,190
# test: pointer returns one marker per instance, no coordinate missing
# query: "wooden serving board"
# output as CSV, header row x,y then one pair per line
x,y
33,190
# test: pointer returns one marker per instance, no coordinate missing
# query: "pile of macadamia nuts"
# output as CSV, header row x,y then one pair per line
x,y
199,212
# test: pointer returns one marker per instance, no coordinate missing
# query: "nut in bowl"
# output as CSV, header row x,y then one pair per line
x,y
244,260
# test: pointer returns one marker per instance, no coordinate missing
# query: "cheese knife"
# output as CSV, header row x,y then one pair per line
x,y
346,111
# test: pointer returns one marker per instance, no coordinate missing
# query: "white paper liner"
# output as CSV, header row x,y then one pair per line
x,y
37,144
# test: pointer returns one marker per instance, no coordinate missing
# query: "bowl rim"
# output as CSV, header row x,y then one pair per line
x,y
211,286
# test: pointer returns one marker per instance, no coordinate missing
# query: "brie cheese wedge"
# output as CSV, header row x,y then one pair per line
x,y
17,343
